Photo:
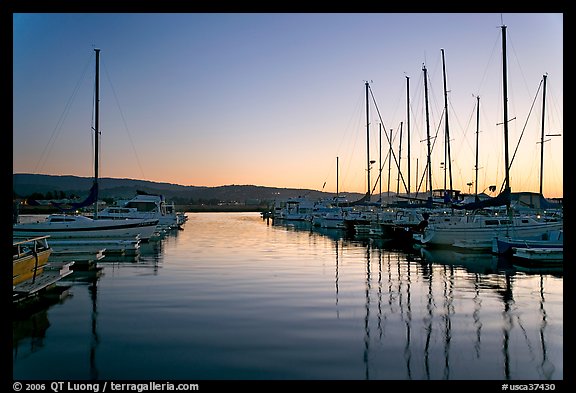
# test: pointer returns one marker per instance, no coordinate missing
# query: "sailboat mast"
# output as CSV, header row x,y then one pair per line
x,y
389,163
505,103
408,126
447,157
477,131
399,160
429,164
367,142
542,138
380,162
337,182
96,126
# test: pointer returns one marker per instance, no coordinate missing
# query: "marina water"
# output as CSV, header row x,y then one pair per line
x,y
235,297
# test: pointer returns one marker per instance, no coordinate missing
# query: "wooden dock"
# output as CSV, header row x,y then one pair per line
x,y
41,283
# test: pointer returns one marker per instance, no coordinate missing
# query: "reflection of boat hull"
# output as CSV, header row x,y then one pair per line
x,y
30,256
33,326
472,262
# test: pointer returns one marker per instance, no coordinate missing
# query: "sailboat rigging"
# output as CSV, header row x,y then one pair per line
x,y
480,230
62,226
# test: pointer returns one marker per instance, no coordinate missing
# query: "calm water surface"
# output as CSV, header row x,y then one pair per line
x,y
232,296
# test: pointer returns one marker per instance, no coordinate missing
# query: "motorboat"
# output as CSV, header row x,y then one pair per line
x,y
145,206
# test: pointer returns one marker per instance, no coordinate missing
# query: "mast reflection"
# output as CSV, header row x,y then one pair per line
x,y
443,312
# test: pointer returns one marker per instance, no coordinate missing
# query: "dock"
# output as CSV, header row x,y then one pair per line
x,y
43,282
88,246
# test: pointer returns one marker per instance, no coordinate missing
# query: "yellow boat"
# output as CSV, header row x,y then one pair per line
x,y
30,256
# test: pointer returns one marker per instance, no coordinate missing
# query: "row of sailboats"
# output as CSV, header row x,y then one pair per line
x,y
470,224
480,230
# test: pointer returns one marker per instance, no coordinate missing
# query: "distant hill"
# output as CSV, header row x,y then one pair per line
x,y
25,184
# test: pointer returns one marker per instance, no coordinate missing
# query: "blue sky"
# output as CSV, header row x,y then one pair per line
x,y
272,99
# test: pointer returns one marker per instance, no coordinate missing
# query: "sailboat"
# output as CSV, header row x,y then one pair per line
x,y
70,226
478,231
359,219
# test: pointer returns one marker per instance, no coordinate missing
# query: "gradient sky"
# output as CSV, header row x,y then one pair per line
x,y
272,99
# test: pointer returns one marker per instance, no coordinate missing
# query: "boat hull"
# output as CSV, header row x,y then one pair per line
x,y
27,267
447,236
30,256
118,229
554,239
539,254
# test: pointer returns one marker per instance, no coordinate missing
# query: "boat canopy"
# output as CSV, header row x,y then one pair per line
x,y
501,199
90,200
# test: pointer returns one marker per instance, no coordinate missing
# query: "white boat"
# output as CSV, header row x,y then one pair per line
x,y
539,254
330,217
181,217
65,226
295,209
480,230
145,206
552,239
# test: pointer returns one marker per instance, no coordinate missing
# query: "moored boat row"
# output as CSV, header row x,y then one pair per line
x,y
446,221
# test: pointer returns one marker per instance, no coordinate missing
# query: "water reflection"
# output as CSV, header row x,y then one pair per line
x,y
480,263
460,296
30,321
235,298
150,256
546,366
94,338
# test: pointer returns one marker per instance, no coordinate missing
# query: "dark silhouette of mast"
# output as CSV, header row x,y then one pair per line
x,y
399,161
505,103
367,141
337,181
389,163
96,127
542,140
429,165
380,163
477,131
447,157
408,126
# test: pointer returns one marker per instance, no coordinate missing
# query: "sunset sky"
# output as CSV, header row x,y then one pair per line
x,y
273,99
